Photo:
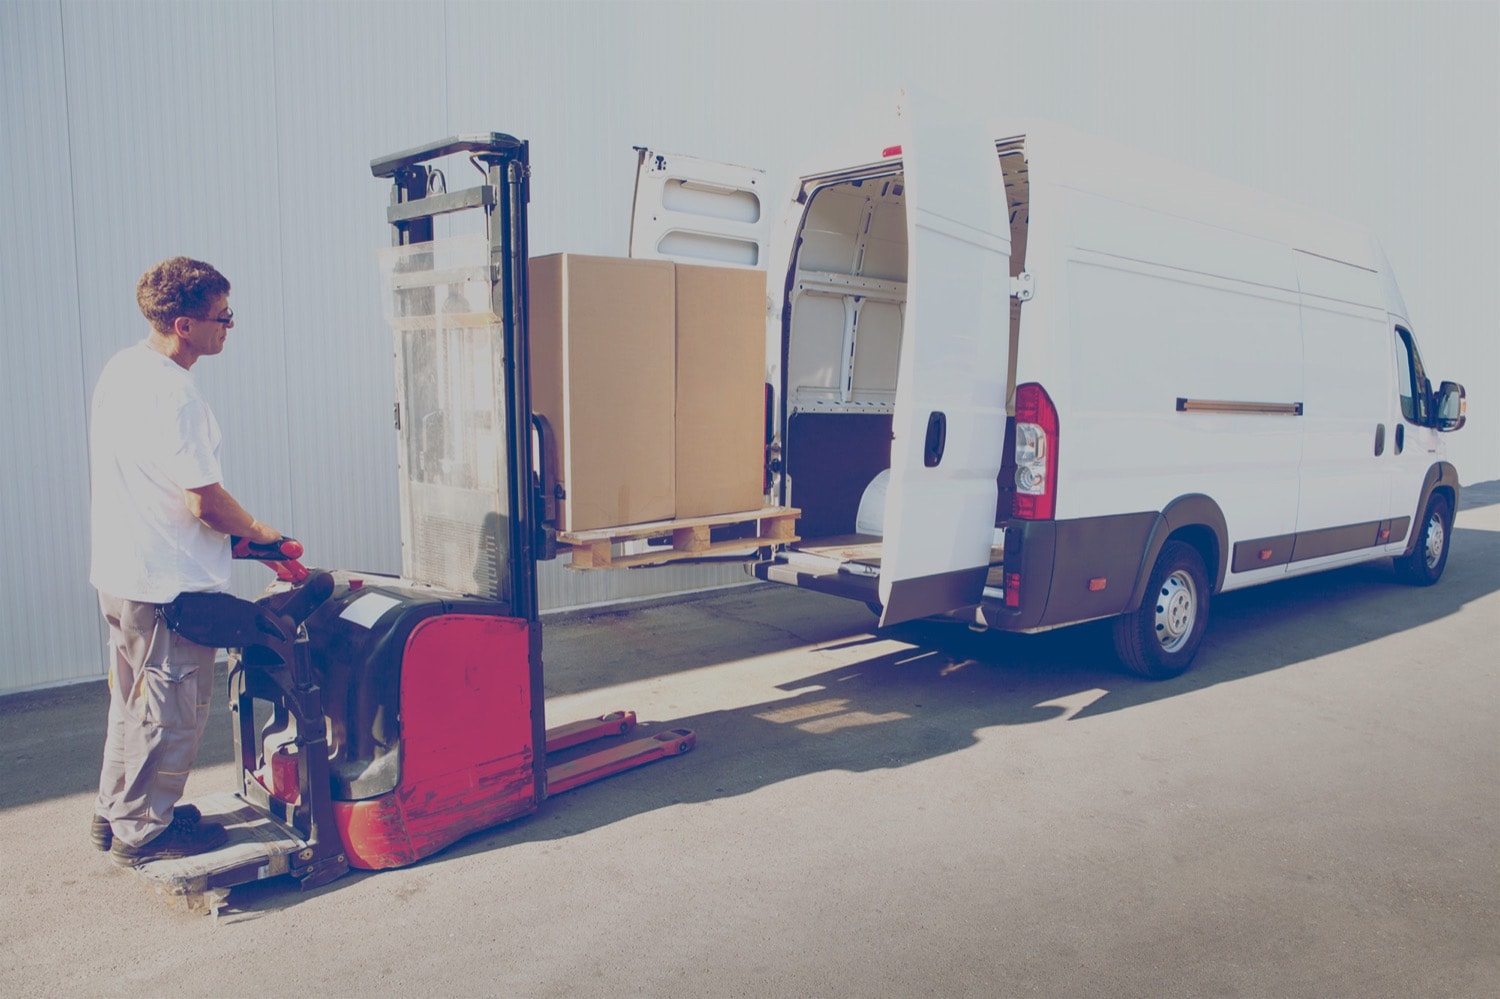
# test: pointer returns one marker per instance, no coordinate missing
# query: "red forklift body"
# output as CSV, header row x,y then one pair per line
x,y
435,718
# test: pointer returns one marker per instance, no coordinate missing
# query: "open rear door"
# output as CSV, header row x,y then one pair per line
x,y
949,424
698,211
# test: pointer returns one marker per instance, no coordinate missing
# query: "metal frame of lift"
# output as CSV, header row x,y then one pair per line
x,y
533,491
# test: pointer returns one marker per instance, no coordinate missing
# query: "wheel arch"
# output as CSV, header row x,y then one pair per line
x,y
1197,520
1441,478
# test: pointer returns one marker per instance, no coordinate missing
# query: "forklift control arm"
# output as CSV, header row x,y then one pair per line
x,y
279,556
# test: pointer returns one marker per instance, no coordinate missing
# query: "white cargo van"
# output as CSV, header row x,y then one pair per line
x,y
1028,378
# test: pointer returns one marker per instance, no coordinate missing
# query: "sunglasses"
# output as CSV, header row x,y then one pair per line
x,y
224,320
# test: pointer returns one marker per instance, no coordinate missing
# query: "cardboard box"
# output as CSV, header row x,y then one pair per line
x,y
721,371
603,373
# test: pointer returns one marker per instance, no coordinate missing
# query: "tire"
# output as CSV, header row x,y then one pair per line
x,y
1424,566
1159,639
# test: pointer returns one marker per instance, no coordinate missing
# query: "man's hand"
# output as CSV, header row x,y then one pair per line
x,y
286,548
213,505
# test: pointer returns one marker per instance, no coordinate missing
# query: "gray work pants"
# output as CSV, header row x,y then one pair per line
x,y
160,685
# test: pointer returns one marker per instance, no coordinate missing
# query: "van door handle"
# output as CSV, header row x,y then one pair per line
x,y
937,439
1379,439
1400,437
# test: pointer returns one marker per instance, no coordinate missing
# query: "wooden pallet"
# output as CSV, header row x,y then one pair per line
x,y
775,525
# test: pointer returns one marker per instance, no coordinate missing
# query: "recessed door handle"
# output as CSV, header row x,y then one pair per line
x,y
937,439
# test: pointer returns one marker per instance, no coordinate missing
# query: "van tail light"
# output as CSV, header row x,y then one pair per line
x,y
890,151
1036,453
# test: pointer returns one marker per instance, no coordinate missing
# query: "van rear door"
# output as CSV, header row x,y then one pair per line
x,y
949,423
698,211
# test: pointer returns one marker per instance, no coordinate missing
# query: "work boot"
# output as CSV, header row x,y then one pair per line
x,y
103,836
180,839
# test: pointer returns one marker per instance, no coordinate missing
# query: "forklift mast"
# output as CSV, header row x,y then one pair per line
x,y
470,507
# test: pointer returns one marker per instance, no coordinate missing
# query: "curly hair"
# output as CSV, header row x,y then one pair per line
x,y
180,286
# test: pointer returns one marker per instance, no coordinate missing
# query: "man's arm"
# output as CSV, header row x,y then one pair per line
x,y
213,505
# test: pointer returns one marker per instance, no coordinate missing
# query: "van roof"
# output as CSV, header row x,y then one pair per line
x,y
1061,156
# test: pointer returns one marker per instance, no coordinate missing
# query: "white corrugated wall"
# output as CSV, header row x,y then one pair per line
x,y
48,617
241,132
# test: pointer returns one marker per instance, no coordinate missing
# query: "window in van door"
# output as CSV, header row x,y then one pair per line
x,y
1411,379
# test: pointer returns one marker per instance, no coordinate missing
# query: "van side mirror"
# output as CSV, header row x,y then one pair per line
x,y
1452,406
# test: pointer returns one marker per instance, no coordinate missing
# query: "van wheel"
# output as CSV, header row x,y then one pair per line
x,y
1424,566
1159,640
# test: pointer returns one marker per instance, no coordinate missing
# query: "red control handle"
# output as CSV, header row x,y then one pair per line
x,y
279,556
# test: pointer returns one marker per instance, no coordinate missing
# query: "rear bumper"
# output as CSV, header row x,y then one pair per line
x,y
1067,571
1071,570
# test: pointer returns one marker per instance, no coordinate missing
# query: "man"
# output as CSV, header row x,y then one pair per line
x,y
161,526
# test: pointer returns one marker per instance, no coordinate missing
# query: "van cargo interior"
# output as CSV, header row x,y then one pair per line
x,y
841,356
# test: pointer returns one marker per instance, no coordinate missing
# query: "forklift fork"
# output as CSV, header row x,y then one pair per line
x,y
567,775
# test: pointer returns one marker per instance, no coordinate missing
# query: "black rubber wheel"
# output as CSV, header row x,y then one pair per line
x,y
1159,640
1424,566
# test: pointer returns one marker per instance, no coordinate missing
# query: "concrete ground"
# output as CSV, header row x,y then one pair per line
x,y
1314,810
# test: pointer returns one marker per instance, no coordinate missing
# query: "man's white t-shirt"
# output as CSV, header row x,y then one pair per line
x,y
152,435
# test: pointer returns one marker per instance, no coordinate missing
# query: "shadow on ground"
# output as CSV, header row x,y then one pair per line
x,y
943,685
931,696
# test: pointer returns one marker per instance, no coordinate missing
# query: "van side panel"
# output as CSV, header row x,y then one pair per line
x,y
1349,436
1152,318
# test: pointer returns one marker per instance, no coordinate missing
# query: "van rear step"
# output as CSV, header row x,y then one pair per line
x,y
849,566
688,538
857,553
824,579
